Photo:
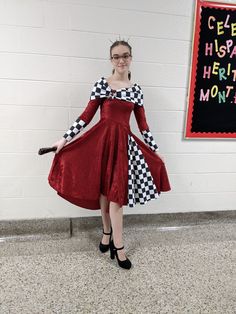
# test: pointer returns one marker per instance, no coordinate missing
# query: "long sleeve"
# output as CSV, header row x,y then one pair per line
x,y
84,119
140,116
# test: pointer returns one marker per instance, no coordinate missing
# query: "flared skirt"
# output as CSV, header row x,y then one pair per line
x,y
108,159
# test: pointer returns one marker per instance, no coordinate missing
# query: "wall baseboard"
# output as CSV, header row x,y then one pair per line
x,y
62,228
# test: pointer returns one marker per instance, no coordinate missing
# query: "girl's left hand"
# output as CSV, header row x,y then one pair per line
x,y
160,156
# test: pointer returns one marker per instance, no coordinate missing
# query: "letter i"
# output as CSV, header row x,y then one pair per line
x,y
229,69
216,45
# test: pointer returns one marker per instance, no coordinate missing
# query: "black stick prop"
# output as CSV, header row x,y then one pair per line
x,y
45,150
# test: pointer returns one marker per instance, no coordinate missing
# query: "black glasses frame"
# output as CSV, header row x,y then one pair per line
x,y
125,57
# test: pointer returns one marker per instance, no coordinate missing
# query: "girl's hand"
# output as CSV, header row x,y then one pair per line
x,y
60,144
160,156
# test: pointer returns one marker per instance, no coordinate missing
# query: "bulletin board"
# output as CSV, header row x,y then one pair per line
x,y
211,111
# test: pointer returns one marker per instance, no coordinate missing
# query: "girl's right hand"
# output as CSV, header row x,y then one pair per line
x,y
60,144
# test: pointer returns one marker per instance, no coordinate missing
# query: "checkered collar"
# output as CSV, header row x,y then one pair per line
x,y
102,89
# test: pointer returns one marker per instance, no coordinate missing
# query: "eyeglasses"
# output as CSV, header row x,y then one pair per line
x,y
125,57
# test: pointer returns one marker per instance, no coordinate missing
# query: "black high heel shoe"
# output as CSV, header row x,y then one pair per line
x,y
113,250
105,247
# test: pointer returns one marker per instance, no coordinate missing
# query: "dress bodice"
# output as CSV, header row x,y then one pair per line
x,y
117,110
116,106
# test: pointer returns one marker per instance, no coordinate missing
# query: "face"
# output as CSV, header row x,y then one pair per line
x,y
121,59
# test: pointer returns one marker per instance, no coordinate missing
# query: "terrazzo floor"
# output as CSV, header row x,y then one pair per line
x,y
185,269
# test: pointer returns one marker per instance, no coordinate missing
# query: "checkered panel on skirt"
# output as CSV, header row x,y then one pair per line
x,y
141,187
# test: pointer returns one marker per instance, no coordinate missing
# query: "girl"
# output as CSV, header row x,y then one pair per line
x,y
108,166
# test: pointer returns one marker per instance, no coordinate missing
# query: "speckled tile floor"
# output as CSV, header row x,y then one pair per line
x,y
188,269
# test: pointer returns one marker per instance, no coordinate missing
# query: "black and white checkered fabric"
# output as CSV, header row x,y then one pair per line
x,y
77,126
149,140
141,187
101,89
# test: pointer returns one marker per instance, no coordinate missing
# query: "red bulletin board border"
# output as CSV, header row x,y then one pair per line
x,y
194,58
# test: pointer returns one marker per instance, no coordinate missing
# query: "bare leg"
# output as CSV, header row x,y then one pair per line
x,y
116,215
105,218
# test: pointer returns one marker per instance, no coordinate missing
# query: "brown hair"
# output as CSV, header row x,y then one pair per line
x,y
123,43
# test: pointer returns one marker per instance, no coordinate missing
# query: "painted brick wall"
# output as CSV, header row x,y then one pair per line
x,y
52,52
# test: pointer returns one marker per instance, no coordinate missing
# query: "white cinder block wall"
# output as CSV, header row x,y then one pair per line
x,y
53,51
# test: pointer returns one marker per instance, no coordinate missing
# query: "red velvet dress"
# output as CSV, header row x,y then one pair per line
x,y
109,159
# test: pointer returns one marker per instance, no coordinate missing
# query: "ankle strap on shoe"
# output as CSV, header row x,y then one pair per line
x,y
120,248
107,233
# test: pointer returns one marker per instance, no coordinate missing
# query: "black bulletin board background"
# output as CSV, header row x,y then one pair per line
x,y
212,116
